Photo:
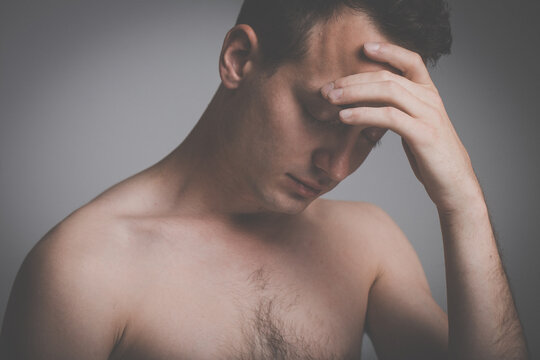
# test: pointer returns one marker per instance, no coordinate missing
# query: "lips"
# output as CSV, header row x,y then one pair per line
x,y
309,185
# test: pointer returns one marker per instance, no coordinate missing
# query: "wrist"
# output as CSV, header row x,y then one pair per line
x,y
467,205
471,212
466,197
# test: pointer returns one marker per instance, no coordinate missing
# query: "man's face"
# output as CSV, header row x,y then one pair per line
x,y
294,146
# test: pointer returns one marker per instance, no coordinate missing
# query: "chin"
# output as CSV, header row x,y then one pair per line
x,y
287,203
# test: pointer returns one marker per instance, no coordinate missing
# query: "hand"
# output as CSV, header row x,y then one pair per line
x,y
410,105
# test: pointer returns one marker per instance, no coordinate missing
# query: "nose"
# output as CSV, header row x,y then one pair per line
x,y
340,160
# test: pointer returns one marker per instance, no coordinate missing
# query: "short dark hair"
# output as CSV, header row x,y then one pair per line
x,y
283,26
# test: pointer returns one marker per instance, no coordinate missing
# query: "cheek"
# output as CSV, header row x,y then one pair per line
x,y
281,132
285,125
267,137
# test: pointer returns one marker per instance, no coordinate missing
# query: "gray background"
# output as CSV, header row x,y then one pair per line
x,y
92,92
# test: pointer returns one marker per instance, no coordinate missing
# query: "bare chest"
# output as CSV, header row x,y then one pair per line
x,y
220,306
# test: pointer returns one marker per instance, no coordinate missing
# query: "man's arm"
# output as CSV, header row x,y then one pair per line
x,y
403,320
483,322
60,305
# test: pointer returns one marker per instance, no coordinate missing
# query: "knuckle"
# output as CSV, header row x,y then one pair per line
x,y
392,87
436,115
417,59
346,93
340,83
434,89
391,113
437,100
386,75
433,97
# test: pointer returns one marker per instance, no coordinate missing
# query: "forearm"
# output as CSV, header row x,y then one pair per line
x,y
483,321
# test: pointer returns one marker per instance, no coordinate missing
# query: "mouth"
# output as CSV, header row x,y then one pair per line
x,y
305,188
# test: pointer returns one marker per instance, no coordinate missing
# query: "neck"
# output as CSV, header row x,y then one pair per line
x,y
203,175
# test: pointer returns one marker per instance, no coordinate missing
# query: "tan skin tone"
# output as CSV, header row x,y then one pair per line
x,y
217,252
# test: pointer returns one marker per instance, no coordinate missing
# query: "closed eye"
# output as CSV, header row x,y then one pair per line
x,y
334,122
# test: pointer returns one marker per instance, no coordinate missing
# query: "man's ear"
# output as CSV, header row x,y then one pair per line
x,y
238,55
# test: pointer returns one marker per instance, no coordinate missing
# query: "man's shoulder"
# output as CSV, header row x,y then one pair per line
x,y
88,248
87,234
361,226
76,274
357,216
93,251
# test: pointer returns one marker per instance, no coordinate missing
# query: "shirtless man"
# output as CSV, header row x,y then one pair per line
x,y
223,250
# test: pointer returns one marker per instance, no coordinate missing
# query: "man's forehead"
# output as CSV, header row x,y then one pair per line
x,y
335,48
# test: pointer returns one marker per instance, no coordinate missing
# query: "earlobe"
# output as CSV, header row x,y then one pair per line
x,y
239,51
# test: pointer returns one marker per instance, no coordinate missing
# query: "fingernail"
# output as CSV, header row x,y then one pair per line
x,y
345,114
372,46
327,88
335,94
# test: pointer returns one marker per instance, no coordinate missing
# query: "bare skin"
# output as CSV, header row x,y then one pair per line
x,y
217,252
160,287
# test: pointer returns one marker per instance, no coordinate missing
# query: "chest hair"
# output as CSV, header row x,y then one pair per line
x,y
266,335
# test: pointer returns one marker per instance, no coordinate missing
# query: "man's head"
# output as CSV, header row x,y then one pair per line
x,y
284,26
276,128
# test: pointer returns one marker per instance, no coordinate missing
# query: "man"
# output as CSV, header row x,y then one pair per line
x,y
223,250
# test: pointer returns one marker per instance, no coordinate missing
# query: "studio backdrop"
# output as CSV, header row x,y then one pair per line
x,y
92,92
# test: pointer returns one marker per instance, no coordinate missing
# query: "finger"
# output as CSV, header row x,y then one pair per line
x,y
383,117
423,92
384,92
408,62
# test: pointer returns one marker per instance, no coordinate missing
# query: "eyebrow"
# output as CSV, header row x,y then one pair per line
x,y
314,96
